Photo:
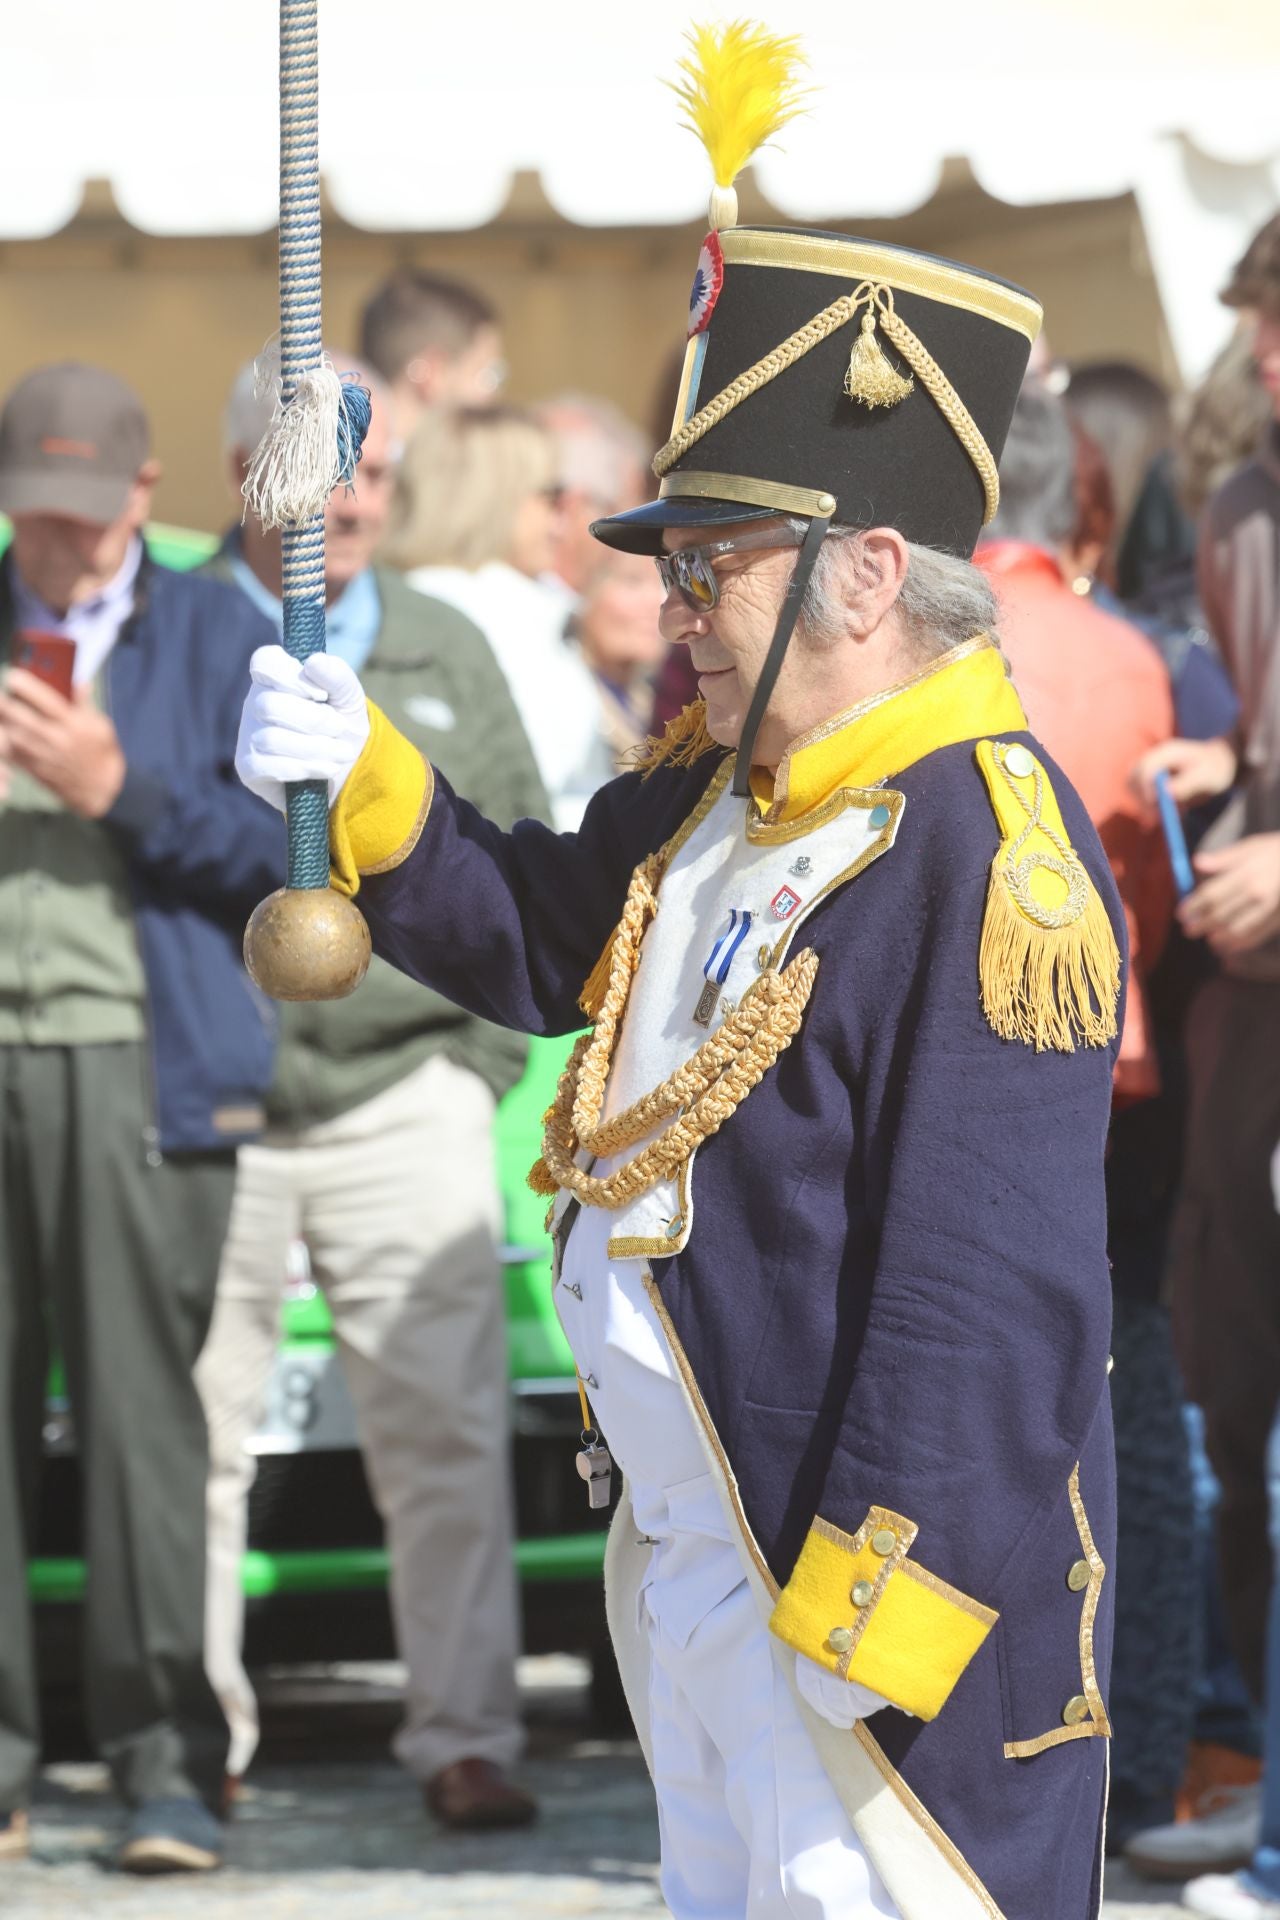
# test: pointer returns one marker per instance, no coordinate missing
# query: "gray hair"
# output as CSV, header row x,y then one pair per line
x,y
246,416
943,601
602,453
1037,473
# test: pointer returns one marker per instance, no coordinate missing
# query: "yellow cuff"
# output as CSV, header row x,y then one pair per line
x,y
861,1609
382,809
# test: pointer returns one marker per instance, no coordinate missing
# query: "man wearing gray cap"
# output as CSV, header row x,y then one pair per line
x,y
133,1059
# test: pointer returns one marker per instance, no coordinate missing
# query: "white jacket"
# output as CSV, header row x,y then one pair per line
x,y
524,622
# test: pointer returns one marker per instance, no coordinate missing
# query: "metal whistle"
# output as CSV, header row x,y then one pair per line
x,y
595,1466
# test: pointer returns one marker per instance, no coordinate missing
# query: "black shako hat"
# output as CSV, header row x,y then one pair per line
x,y
827,379
826,375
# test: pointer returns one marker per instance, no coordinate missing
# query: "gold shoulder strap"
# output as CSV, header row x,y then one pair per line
x,y
1048,961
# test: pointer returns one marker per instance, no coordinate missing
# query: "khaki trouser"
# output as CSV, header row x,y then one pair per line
x,y
397,1203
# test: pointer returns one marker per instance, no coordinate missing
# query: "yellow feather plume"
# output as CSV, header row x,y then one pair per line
x,y
739,89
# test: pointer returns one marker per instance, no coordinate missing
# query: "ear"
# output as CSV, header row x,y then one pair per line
x,y
423,374
878,577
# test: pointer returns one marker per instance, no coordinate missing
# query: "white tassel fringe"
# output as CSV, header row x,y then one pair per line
x,y
295,466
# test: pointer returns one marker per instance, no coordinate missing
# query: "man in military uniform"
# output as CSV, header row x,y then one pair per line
x,y
826,1173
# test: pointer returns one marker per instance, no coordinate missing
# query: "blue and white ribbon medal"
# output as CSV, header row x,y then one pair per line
x,y
718,962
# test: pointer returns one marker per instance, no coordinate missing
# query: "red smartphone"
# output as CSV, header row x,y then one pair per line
x,y
50,656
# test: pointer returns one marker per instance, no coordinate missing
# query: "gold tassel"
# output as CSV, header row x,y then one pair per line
x,y
1049,987
870,377
591,999
684,740
540,1179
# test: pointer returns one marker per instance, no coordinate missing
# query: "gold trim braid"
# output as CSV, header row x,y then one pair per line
x,y
751,492
712,1438
697,1098
1098,1725
921,1814
907,272
785,355
879,299
948,402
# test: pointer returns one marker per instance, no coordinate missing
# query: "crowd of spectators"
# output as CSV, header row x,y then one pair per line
x,y
165,1138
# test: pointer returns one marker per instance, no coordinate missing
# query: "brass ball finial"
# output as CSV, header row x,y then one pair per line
x,y
307,943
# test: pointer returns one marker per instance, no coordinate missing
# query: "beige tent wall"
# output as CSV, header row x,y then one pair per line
x,y
596,310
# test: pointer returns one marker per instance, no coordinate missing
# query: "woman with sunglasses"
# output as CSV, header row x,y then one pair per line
x,y
826,1175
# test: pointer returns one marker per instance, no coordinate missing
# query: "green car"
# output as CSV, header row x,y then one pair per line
x,y
315,1574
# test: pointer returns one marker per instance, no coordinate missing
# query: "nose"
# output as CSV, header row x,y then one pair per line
x,y
678,623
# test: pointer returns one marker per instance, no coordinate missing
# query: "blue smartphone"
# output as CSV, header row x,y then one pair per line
x,y
1174,838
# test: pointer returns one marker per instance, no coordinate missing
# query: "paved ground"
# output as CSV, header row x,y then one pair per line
x,y
331,1829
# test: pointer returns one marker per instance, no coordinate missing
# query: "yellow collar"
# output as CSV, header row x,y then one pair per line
x,y
962,695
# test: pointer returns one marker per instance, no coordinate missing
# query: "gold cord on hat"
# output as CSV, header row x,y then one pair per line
x,y
870,376
869,373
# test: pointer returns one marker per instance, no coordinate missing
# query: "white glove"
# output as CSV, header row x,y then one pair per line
x,y
841,1702
302,720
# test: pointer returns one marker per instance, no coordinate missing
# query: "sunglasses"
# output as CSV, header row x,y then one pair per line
x,y
690,571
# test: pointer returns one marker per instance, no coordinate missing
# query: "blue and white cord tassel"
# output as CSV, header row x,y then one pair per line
x,y
312,445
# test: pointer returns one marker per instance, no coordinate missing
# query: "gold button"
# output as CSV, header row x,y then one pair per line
x,y
1076,1710
840,1639
826,503
860,1593
884,1542
1078,1578
1018,761
762,958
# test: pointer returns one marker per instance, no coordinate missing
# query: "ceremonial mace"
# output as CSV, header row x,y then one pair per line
x,y
305,942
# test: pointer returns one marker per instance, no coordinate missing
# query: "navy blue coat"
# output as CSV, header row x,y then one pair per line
x,y
200,851
896,1293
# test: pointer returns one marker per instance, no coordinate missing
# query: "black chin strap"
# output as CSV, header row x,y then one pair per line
x,y
792,602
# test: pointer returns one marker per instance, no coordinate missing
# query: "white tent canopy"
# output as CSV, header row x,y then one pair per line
x,y
428,111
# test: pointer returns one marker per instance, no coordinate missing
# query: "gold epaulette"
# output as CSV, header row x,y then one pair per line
x,y
684,740
1048,961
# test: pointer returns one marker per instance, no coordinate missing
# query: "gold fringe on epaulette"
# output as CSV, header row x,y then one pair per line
x,y
684,740
1050,986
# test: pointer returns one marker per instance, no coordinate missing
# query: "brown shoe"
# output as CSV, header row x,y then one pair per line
x,y
15,1835
476,1793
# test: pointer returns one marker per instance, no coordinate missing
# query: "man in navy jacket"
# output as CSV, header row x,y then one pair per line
x,y
134,1054
826,1175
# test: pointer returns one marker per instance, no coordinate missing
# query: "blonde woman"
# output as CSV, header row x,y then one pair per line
x,y
617,629
475,522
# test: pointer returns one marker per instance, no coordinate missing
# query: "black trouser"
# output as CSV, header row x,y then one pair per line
x,y
1153,1667
1226,1281
116,1260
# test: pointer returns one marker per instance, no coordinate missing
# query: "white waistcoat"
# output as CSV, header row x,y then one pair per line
x,y
728,864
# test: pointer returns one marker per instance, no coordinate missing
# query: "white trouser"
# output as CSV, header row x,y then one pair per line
x,y
751,1826
397,1202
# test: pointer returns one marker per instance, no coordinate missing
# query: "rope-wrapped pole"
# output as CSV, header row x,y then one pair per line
x,y
305,942
300,353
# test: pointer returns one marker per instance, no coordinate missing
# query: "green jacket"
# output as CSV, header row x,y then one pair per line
x,y
433,674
